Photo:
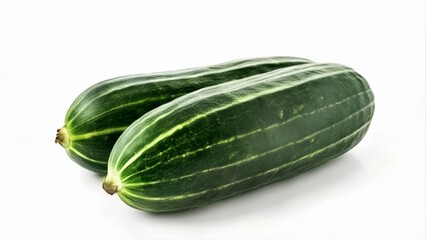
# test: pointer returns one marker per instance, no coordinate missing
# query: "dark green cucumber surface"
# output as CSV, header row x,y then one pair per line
x,y
237,136
100,114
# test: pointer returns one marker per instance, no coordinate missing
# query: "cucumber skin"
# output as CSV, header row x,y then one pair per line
x,y
187,163
138,94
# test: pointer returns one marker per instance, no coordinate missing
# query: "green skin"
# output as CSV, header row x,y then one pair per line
x,y
193,151
95,120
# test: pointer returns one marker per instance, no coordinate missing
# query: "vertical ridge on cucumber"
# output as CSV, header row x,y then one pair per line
x,y
101,113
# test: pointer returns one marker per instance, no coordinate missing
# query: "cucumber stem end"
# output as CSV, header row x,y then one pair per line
x,y
112,185
63,137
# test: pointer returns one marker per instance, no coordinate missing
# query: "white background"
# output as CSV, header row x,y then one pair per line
x,y
51,51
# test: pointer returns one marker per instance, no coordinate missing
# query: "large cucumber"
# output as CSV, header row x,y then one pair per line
x,y
101,113
230,138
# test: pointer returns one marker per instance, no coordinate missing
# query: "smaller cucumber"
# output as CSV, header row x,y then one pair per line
x,y
100,114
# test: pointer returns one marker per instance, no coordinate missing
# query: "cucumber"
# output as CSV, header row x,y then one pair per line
x,y
230,138
100,114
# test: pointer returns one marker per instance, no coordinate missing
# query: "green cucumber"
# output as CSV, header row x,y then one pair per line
x,y
100,114
237,136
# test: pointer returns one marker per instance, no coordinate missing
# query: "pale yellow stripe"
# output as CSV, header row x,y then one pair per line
x,y
84,156
97,133
123,106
